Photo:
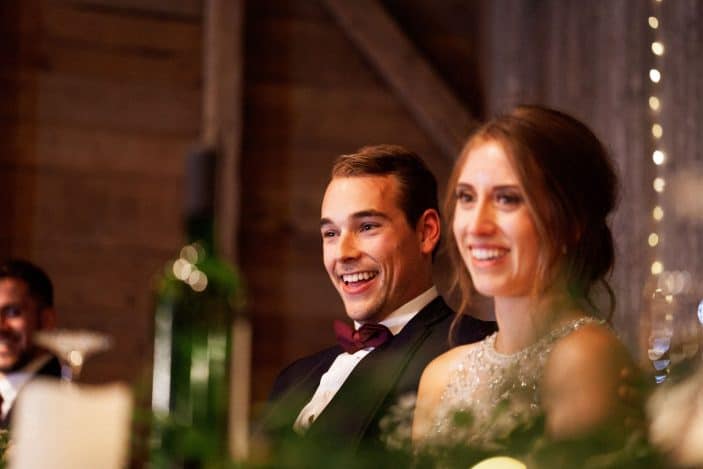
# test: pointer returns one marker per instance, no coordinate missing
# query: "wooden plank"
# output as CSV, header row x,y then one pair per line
x,y
129,33
222,109
49,98
191,9
222,129
98,151
406,71
121,211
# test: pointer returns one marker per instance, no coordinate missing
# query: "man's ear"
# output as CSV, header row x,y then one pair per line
x,y
429,229
47,318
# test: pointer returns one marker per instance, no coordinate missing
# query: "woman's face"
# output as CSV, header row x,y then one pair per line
x,y
493,227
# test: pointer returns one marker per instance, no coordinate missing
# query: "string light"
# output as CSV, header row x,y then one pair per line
x,y
653,239
657,48
654,103
659,184
657,268
657,131
658,213
655,75
658,157
653,22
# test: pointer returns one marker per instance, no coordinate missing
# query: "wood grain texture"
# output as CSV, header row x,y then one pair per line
x,y
418,85
103,102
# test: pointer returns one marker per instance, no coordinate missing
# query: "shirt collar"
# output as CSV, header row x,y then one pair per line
x,y
11,383
397,320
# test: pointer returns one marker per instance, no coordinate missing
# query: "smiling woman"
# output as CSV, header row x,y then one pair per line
x,y
528,201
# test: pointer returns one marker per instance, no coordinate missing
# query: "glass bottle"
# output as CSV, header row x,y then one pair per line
x,y
197,299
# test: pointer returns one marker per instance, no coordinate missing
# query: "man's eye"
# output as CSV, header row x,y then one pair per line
x,y
12,312
328,234
368,226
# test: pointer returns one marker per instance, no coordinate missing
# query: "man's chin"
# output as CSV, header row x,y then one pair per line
x,y
8,365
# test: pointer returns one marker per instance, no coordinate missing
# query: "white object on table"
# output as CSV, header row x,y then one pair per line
x,y
58,425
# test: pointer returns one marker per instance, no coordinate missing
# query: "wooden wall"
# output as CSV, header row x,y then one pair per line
x,y
103,100
309,96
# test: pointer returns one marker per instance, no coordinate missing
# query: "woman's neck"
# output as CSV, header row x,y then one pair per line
x,y
522,321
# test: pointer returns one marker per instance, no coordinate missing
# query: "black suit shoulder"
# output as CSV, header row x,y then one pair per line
x,y
291,374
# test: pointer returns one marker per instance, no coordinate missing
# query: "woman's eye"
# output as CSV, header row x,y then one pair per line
x,y
509,199
464,196
367,226
328,234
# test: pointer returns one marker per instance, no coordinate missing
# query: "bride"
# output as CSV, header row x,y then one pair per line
x,y
527,206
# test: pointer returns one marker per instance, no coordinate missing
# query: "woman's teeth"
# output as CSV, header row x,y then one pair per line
x,y
483,254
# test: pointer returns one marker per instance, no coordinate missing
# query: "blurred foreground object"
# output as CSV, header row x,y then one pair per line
x,y
499,462
195,327
64,426
676,414
73,347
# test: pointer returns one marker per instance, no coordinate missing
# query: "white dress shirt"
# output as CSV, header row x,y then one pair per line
x,y
12,383
344,364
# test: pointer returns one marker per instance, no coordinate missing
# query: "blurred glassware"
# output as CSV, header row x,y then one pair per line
x,y
73,347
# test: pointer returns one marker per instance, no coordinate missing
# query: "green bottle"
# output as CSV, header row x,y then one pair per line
x,y
197,299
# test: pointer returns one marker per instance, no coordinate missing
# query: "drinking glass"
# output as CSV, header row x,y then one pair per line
x,y
73,347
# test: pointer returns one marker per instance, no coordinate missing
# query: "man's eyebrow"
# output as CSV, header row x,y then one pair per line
x,y
357,215
370,213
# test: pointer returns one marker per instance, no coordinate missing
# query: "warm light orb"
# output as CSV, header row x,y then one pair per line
x,y
653,22
655,75
654,103
659,184
657,130
658,213
657,268
658,157
657,48
653,239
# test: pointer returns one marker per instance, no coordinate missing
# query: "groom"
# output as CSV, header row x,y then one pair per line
x,y
380,228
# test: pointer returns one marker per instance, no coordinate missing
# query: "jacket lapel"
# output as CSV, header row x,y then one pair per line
x,y
362,397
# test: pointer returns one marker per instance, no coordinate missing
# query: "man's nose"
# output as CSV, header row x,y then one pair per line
x,y
348,247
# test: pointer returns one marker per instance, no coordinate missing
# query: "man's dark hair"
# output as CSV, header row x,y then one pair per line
x,y
418,186
38,282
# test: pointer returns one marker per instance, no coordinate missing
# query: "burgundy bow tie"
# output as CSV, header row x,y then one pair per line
x,y
368,335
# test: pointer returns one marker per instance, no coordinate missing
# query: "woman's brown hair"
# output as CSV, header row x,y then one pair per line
x,y
570,188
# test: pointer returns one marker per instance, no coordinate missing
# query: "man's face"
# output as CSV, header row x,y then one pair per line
x,y
376,261
19,319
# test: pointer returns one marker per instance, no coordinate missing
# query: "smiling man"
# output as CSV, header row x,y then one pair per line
x,y
380,227
26,306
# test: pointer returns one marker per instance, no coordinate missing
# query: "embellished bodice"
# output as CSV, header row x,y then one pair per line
x,y
490,394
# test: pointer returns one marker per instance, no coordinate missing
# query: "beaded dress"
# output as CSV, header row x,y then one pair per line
x,y
496,392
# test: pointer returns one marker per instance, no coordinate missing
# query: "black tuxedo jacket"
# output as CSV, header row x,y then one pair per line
x,y
389,372
51,369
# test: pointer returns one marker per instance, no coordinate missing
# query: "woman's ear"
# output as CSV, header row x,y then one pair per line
x,y
429,230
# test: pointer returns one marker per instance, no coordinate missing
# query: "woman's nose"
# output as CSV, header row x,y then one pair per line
x,y
482,220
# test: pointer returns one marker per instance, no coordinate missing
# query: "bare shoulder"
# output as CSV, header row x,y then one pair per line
x,y
592,346
581,379
444,363
432,384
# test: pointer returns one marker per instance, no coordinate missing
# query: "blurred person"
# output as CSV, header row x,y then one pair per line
x,y
26,306
527,205
380,228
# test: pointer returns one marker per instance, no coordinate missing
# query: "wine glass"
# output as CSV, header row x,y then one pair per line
x,y
72,347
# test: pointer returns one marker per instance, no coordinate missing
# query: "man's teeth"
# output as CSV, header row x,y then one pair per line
x,y
482,254
350,278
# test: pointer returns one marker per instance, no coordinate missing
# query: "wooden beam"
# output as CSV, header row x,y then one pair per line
x,y
222,128
402,66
